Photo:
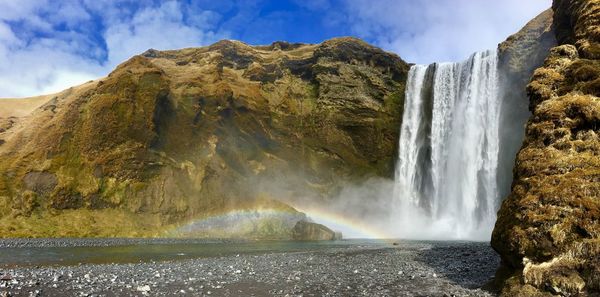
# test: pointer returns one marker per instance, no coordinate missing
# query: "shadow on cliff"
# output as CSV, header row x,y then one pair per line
x,y
470,265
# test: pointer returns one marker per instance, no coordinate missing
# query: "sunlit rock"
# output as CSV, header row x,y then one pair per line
x,y
304,230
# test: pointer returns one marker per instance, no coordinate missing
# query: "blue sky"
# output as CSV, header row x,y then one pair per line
x,y
49,45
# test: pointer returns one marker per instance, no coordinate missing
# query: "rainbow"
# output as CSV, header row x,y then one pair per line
x,y
233,222
350,227
239,221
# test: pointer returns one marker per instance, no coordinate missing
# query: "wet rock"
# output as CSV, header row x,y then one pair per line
x,y
304,230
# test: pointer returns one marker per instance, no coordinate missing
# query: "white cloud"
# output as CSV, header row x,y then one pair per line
x,y
160,28
19,9
7,36
440,30
43,67
58,59
71,13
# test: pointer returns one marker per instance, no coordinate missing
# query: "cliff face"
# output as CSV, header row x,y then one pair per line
x,y
172,136
519,56
547,230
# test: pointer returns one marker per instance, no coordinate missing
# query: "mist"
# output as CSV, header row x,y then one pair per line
x,y
461,208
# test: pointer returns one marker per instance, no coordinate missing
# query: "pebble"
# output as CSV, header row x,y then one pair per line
x,y
144,288
408,269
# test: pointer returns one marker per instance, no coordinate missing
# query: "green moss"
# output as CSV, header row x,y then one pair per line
x,y
67,223
313,90
547,229
176,142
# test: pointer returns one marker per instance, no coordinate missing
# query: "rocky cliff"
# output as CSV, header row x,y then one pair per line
x,y
548,230
171,137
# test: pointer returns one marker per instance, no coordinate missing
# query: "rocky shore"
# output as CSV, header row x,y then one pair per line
x,y
400,269
103,242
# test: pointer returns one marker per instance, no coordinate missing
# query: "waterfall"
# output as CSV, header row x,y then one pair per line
x,y
446,176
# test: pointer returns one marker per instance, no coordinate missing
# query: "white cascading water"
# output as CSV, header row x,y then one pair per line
x,y
446,176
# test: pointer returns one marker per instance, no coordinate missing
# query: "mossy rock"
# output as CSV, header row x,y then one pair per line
x,y
547,230
178,135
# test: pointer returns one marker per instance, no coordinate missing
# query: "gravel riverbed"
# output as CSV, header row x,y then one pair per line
x,y
404,269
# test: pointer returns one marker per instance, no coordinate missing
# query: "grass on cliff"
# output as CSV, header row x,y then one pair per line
x,y
81,223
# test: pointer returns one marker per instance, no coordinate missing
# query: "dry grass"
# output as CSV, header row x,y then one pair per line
x,y
21,107
547,229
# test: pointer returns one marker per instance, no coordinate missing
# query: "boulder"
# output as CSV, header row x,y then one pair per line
x,y
305,230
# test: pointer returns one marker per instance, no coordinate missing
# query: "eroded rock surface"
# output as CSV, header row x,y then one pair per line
x,y
548,230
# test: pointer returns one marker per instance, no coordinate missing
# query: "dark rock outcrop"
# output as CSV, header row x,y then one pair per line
x,y
548,230
304,230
